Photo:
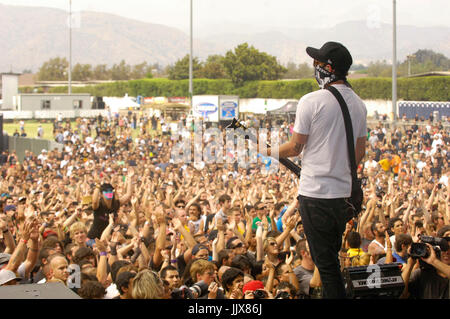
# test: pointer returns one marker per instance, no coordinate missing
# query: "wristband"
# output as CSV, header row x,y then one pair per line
x,y
136,254
24,241
103,253
113,251
173,261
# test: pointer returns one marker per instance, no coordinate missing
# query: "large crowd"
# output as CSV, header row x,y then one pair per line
x,y
112,216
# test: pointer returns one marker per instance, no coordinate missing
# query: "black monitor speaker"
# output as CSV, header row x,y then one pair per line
x,y
374,281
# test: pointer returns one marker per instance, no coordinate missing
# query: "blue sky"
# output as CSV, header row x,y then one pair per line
x,y
260,14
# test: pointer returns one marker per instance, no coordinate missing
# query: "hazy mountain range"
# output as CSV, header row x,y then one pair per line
x,y
32,35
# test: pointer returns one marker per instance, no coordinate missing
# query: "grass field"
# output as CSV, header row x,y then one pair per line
x,y
31,127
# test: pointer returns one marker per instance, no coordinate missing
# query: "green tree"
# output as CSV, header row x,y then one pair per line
x,y
213,68
249,64
291,71
54,69
140,71
305,70
120,71
425,61
301,71
180,70
379,69
101,72
156,70
82,72
437,59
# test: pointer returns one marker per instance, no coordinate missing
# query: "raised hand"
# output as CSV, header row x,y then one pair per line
x,y
100,245
291,221
212,290
159,215
177,223
34,232
388,240
236,293
111,219
130,172
25,229
220,225
268,266
165,254
3,224
232,225
289,258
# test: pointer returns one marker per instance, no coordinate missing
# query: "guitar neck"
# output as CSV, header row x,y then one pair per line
x,y
294,168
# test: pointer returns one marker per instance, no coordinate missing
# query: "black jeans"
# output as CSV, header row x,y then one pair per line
x,y
324,223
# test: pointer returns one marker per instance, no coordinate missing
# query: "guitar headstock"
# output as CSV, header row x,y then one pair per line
x,y
235,124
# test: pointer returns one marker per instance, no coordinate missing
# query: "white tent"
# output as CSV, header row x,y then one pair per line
x,y
119,103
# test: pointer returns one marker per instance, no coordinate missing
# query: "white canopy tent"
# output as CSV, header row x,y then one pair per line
x,y
119,103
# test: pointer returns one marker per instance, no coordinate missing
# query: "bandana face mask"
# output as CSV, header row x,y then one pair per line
x,y
108,194
323,77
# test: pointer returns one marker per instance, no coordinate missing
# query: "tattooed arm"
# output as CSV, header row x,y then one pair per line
x,y
292,148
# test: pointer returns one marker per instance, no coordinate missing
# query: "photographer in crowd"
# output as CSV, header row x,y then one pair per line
x,y
427,272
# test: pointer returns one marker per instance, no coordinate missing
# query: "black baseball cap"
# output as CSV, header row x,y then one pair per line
x,y
334,54
106,187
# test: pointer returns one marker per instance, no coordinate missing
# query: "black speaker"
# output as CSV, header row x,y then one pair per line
x,y
98,103
374,281
52,290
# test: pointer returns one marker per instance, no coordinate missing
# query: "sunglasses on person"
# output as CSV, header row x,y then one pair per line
x,y
238,245
273,243
261,208
181,206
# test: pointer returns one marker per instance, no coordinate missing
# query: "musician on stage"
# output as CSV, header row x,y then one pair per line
x,y
325,180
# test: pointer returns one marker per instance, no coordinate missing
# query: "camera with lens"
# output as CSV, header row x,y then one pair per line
x,y
282,295
196,290
421,250
260,294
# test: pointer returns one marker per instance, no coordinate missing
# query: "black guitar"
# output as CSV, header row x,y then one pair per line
x,y
294,168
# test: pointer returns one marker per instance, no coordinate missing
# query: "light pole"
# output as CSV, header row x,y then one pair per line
x,y
70,47
190,58
394,64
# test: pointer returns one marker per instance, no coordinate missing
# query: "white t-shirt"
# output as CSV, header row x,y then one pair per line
x,y
111,292
325,163
369,164
373,140
420,165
